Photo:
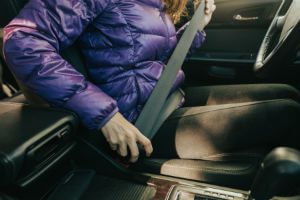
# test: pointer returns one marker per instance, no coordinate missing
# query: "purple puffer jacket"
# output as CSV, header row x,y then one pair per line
x,y
125,44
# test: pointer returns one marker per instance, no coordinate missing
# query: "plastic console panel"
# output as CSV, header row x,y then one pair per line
x,y
182,192
178,189
32,139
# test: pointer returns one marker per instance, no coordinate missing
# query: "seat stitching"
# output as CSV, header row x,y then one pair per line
x,y
252,155
227,108
195,168
228,171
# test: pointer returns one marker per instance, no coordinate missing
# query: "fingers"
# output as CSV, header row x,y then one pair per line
x,y
118,142
123,149
210,6
108,139
112,141
214,7
134,150
121,135
146,144
113,147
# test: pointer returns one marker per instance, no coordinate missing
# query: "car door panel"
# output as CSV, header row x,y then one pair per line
x,y
233,39
254,13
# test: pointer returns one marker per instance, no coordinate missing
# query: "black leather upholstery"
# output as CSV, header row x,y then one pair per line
x,y
279,175
23,129
237,173
231,170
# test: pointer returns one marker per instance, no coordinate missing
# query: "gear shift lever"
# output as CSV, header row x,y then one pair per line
x,y
279,172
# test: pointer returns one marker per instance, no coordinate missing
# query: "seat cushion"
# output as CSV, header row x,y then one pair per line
x,y
237,170
18,98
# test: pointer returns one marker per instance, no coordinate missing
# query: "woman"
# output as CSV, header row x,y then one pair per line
x,y
125,45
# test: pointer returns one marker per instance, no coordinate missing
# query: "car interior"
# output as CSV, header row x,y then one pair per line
x,y
46,154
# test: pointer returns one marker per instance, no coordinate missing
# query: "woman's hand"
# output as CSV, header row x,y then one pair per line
x,y
121,134
210,7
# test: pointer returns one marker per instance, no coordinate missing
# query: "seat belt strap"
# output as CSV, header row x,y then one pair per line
x,y
171,104
151,111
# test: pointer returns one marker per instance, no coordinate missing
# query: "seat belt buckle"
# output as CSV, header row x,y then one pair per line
x,y
123,161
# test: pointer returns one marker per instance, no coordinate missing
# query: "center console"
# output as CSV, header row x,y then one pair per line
x,y
279,175
32,140
187,190
204,193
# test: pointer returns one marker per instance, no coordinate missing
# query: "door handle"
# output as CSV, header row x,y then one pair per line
x,y
239,17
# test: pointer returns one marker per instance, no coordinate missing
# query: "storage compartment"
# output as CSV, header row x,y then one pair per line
x,y
32,140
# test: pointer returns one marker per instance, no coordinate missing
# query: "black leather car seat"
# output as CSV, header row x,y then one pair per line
x,y
237,171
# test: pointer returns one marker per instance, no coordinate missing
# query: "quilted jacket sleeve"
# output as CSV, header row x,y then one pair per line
x,y
32,43
198,40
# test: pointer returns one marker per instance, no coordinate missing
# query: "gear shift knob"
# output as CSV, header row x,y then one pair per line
x,y
279,173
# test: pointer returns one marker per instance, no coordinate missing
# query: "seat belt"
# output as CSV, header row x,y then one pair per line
x,y
156,103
